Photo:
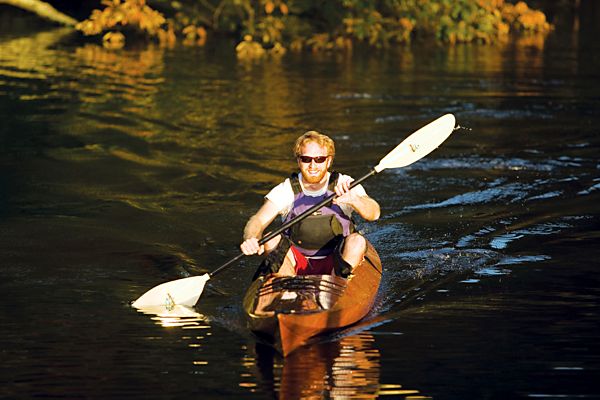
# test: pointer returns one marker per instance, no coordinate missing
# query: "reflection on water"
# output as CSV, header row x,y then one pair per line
x,y
346,369
176,316
30,57
188,320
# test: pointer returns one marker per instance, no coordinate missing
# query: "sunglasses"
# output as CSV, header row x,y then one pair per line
x,y
308,159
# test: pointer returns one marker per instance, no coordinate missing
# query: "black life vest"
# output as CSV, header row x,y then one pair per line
x,y
319,233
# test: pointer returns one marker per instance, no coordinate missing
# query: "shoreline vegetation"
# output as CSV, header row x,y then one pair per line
x,y
273,27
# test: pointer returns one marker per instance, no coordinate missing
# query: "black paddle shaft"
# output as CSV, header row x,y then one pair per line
x,y
293,222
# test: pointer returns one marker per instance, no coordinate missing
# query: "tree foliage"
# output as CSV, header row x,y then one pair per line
x,y
272,26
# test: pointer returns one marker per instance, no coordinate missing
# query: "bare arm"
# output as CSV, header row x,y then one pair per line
x,y
255,227
365,206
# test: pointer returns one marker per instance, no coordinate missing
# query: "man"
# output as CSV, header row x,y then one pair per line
x,y
320,244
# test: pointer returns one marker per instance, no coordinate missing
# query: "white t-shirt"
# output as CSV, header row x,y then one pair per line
x,y
283,194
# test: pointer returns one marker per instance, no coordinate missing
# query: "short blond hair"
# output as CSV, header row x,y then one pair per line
x,y
316,137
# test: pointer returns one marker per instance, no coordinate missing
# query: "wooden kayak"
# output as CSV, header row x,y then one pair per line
x,y
289,310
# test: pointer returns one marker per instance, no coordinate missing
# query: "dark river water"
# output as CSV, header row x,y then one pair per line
x,y
123,169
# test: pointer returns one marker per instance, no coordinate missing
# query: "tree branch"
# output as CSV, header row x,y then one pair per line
x,y
43,10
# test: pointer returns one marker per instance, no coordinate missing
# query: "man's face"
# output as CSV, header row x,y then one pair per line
x,y
314,172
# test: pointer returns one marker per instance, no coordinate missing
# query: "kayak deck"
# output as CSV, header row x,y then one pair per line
x,y
292,309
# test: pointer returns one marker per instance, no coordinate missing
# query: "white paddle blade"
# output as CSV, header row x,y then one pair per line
x,y
185,292
419,144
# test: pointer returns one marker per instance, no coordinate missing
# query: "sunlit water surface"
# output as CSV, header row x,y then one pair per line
x,y
124,169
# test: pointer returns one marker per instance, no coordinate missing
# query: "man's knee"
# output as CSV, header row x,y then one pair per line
x,y
355,243
272,244
350,255
288,267
275,258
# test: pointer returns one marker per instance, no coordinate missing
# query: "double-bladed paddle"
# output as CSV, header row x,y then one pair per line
x,y
187,291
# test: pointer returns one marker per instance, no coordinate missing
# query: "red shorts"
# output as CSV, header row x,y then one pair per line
x,y
306,266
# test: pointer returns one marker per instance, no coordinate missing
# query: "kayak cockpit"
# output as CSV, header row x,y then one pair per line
x,y
297,294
